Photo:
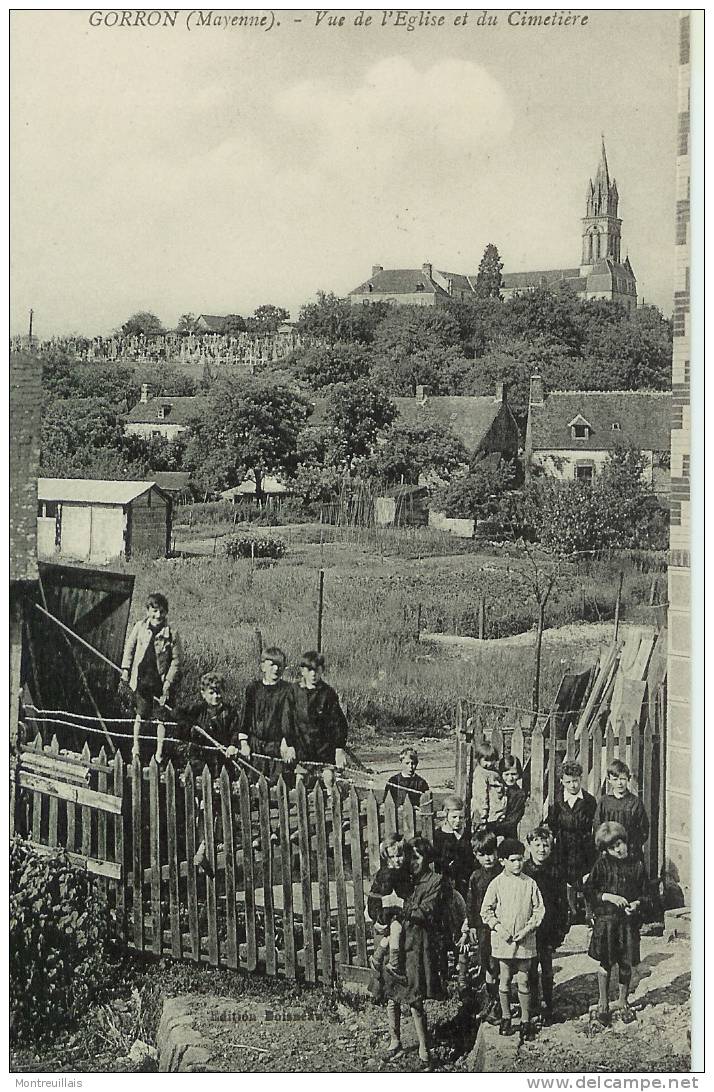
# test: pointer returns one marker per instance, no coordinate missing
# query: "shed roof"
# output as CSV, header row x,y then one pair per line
x,y
644,418
91,491
183,408
172,481
247,487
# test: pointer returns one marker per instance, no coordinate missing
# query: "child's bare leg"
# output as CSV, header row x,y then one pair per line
x,y
504,989
394,1014
395,944
137,733
623,985
419,1018
603,988
160,736
524,996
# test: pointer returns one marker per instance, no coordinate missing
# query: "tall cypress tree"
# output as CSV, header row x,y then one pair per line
x,y
488,280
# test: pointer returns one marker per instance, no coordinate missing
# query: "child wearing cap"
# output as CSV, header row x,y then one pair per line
x,y
266,715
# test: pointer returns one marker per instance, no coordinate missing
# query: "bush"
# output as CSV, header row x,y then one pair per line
x,y
61,942
247,546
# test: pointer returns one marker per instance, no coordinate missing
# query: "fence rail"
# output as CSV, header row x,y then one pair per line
x,y
283,876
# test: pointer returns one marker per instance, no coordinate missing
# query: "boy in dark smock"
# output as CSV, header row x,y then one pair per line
x,y
215,716
266,715
407,784
619,805
550,934
570,818
316,728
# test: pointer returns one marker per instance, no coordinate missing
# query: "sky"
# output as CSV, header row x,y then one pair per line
x,y
213,169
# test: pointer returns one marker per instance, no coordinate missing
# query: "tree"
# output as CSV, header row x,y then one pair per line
x,y
248,425
162,378
513,361
233,325
407,451
356,413
475,493
553,315
418,346
142,322
186,324
74,433
266,319
332,319
488,278
321,366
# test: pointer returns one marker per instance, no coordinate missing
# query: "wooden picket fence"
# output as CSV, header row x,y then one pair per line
x,y
544,742
286,875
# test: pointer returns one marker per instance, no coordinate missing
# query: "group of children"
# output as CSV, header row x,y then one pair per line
x,y
281,723
516,901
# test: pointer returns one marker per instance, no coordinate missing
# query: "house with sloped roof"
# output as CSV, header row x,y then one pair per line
x,y
165,415
86,519
484,423
210,324
601,274
571,434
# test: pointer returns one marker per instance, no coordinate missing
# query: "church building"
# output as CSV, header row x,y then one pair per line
x,y
601,274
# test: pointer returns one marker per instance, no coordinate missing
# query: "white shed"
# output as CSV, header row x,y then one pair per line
x,y
93,520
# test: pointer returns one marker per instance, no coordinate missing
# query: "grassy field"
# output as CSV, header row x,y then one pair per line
x,y
390,681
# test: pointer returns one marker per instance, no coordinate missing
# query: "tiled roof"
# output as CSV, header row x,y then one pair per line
x,y
643,417
183,408
399,282
213,322
469,418
90,491
246,488
539,276
171,481
25,410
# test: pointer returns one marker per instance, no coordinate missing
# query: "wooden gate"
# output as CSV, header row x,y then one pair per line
x,y
279,887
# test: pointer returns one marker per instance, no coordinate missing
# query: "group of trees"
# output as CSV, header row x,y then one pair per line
x,y
265,320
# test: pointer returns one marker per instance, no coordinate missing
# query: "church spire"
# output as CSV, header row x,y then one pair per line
x,y
601,227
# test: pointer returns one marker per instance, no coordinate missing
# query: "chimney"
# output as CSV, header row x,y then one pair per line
x,y
501,393
426,268
421,392
537,395
377,269
144,393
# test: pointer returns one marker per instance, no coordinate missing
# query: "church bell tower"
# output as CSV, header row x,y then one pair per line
x,y
601,226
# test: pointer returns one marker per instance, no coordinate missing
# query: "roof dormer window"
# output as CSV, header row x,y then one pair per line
x,y
615,426
580,429
164,411
419,287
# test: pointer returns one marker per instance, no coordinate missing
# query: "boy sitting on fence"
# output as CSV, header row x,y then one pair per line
x,y
316,727
266,715
150,667
219,719
407,784
619,805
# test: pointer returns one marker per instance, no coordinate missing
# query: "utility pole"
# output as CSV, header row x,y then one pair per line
x,y
30,337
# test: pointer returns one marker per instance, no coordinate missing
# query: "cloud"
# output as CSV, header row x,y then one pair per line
x,y
399,116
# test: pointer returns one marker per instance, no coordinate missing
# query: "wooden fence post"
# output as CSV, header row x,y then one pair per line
x,y
323,886
118,845
224,784
356,856
286,870
373,832
155,856
172,850
266,850
189,791
426,815
597,759
246,837
534,807
618,603
137,831
306,881
482,618
340,887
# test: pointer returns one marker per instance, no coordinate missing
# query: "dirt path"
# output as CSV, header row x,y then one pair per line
x,y
595,633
